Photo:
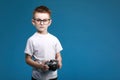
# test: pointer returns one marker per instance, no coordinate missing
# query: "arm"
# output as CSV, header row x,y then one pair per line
x,y
59,58
35,64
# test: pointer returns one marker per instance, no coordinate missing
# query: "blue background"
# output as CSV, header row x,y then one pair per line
x,y
89,31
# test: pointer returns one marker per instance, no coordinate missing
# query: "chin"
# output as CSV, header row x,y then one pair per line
x,y
41,31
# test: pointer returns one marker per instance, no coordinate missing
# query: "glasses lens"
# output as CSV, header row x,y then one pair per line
x,y
46,21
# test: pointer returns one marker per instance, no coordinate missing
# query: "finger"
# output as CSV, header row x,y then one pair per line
x,y
47,66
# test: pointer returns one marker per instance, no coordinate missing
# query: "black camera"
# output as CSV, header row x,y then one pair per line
x,y
53,65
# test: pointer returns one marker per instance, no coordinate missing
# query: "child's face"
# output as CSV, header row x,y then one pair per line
x,y
41,21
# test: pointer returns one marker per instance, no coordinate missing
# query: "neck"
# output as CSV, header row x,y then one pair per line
x,y
40,32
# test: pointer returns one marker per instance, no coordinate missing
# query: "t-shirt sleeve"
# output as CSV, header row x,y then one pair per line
x,y
58,46
29,47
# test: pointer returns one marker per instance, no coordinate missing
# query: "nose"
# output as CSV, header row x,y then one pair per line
x,y
41,22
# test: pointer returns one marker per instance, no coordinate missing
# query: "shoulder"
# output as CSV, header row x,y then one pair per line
x,y
52,36
32,37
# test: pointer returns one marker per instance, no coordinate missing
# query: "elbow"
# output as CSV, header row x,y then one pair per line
x,y
26,60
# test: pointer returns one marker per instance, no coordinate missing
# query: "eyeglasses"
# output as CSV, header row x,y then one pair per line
x,y
44,21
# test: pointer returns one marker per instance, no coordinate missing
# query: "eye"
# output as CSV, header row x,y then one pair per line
x,y
38,20
45,20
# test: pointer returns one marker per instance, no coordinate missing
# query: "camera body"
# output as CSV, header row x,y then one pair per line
x,y
53,65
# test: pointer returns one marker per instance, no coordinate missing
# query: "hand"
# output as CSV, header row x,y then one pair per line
x,y
44,67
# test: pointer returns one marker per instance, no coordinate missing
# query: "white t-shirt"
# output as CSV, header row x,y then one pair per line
x,y
43,47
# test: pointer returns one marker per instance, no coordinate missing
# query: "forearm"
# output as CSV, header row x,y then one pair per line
x,y
59,58
31,62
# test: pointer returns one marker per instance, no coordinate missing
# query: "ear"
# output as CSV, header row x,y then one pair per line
x,y
33,22
50,22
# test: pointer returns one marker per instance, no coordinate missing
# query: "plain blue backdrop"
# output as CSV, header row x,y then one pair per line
x,y
89,31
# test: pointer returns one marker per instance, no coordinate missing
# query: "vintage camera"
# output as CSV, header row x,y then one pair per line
x,y
53,65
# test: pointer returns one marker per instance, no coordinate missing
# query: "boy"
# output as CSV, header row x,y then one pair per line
x,y
42,46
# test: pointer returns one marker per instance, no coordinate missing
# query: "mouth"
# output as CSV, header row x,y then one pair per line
x,y
41,27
